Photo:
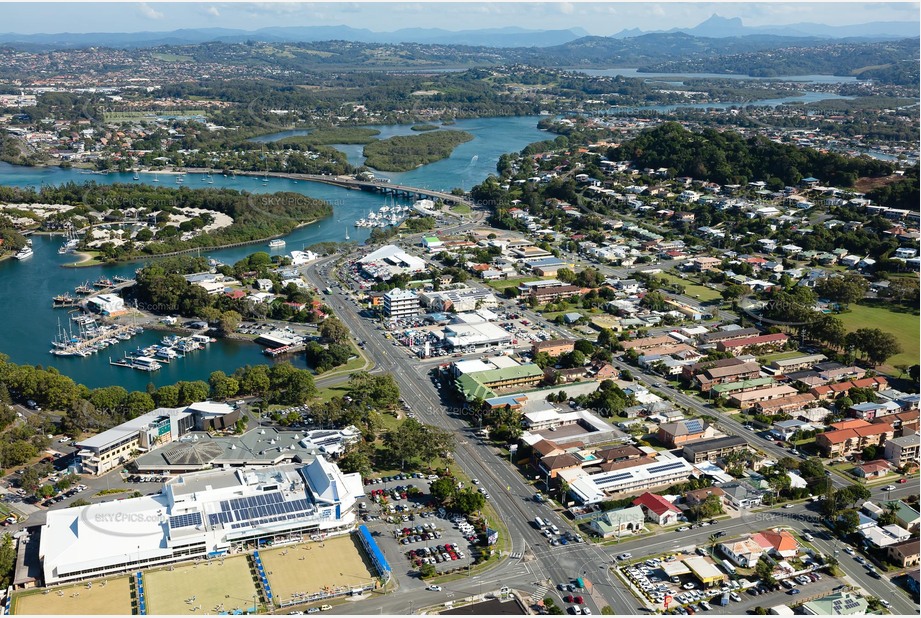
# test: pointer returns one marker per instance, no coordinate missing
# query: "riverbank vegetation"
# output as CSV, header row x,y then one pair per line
x,y
162,287
406,152
144,213
339,135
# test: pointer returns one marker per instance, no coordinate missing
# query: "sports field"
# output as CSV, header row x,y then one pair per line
x,y
905,327
333,563
113,597
213,584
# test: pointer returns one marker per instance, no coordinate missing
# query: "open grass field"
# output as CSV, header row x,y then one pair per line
x,y
112,598
694,290
501,284
905,326
229,584
335,562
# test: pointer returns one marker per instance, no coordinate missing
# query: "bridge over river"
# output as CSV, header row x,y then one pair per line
x,y
375,186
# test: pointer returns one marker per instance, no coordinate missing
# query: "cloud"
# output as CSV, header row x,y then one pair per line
x,y
566,8
212,10
149,12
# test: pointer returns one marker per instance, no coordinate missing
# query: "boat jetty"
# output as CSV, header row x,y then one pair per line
x,y
171,347
90,337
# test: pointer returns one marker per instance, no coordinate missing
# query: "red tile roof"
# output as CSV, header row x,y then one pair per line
x,y
655,503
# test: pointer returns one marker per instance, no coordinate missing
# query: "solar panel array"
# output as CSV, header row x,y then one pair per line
x,y
258,510
666,467
695,425
185,521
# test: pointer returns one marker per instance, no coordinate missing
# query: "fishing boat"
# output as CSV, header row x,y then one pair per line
x,y
63,300
277,243
83,289
121,279
103,283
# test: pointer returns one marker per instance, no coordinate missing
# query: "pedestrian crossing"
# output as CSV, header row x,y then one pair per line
x,y
538,595
516,555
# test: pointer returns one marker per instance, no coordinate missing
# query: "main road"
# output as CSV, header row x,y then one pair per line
x,y
535,565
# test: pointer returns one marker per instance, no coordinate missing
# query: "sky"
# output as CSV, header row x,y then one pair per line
x,y
599,18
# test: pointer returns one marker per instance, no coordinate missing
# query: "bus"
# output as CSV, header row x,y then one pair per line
x,y
728,567
539,523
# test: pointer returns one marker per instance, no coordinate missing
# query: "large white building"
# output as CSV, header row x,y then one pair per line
x,y
390,260
592,488
400,304
114,447
106,304
197,515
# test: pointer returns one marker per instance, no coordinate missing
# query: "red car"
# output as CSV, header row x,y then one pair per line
x,y
903,480
568,598
579,601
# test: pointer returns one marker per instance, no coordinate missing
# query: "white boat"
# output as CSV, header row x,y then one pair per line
x,y
24,253
277,243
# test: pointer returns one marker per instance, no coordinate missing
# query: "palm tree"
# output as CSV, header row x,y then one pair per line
x,y
712,541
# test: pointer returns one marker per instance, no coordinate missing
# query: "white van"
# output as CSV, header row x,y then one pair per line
x,y
540,522
554,528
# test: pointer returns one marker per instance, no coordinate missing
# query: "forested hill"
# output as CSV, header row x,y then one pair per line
x,y
729,158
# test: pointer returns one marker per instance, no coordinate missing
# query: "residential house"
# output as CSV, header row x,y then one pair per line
x,y
744,552
742,495
870,410
657,509
907,517
696,497
904,553
677,434
778,542
876,469
787,404
726,373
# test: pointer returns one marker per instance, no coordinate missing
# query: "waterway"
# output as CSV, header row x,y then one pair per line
x,y
635,73
26,287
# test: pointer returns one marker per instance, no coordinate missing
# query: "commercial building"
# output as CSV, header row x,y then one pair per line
x,y
459,300
388,261
117,446
844,603
593,488
198,515
618,522
483,384
469,332
106,304
704,569
711,450
401,304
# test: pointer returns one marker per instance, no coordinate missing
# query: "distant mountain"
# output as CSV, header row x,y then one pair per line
x,y
492,37
724,27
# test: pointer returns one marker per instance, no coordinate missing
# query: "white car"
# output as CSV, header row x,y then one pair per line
x,y
683,529
889,488
849,551
434,588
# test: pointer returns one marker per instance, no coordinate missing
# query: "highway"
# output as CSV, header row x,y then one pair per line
x,y
541,566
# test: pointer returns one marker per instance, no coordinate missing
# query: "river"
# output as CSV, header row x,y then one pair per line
x,y
26,287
